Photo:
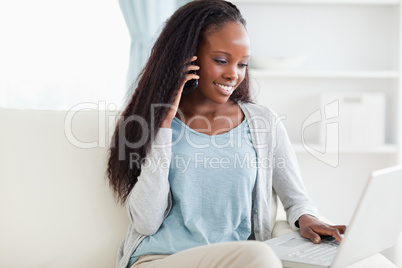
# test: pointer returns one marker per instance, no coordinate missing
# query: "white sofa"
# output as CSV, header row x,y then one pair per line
x,y
55,204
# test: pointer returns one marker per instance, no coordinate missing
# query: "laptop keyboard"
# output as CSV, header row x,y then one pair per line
x,y
323,252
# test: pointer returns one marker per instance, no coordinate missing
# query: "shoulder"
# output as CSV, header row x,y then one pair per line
x,y
253,110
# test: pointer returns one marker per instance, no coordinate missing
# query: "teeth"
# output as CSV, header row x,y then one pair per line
x,y
225,88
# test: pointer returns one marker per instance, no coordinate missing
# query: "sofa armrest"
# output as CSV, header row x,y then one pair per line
x,y
281,228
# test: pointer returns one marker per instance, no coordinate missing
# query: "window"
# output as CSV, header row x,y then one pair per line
x,y
57,54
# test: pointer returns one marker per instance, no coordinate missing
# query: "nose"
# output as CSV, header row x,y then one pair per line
x,y
231,73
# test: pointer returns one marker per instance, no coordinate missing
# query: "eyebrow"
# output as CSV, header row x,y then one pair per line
x,y
224,52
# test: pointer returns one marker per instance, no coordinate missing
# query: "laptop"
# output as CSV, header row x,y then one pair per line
x,y
375,226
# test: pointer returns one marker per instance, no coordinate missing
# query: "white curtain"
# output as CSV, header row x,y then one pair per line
x,y
144,19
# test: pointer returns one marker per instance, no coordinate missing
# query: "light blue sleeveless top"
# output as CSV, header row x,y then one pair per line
x,y
211,180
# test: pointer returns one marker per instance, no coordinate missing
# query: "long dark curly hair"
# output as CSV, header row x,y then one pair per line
x,y
159,83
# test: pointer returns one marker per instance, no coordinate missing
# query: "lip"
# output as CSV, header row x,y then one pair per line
x,y
225,91
228,85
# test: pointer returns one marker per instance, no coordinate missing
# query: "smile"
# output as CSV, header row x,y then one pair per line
x,y
225,87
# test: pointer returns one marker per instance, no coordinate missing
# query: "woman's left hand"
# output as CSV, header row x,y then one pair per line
x,y
311,228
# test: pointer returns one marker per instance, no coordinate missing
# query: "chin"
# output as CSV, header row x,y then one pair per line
x,y
220,100
215,96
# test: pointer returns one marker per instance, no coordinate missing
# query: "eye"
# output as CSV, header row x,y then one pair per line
x,y
243,65
220,61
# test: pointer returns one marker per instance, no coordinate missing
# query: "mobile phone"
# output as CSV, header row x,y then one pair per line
x,y
191,84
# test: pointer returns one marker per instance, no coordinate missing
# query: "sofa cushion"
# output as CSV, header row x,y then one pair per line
x,y
55,204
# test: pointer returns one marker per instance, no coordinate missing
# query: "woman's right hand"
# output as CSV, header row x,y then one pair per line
x,y
167,122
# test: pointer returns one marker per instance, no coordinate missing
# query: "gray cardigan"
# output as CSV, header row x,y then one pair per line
x,y
149,202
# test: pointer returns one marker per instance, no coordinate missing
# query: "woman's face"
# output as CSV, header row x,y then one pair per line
x,y
223,58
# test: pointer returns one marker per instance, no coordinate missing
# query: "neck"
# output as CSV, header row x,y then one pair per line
x,y
192,106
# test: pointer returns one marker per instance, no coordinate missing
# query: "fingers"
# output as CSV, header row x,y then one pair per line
x,y
191,76
310,234
341,228
193,67
190,72
312,228
194,58
331,231
336,231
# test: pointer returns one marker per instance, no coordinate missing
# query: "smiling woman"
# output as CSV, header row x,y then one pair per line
x,y
199,213
223,56
55,54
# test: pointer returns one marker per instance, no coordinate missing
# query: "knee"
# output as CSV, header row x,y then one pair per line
x,y
260,255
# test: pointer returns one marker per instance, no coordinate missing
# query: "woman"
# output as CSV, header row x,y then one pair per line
x,y
198,171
